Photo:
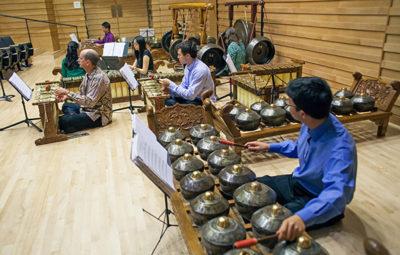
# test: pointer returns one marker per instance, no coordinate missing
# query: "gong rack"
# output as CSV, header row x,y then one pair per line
x,y
253,12
259,49
191,232
178,32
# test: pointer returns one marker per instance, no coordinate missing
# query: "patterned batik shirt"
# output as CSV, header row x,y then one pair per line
x,y
95,96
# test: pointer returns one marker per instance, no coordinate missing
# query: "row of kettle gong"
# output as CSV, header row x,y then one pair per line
x,y
253,200
345,102
276,114
249,119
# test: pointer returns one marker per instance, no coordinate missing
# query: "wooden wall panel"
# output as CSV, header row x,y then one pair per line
x,y
67,14
35,9
134,17
390,66
334,38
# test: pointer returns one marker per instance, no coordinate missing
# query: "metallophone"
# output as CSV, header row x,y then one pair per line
x,y
119,87
263,82
152,94
45,99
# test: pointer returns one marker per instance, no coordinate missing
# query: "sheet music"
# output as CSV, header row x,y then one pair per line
x,y
21,86
108,49
129,76
119,49
150,151
74,38
139,127
231,65
115,49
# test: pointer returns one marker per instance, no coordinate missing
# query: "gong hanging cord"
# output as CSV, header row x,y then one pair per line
x,y
187,26
205,20
252,30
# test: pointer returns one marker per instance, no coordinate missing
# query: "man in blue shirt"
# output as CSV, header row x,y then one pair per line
x,y
196,79
319,189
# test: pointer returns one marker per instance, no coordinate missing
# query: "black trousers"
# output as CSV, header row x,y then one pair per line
x,y
74,120
180,100
293,196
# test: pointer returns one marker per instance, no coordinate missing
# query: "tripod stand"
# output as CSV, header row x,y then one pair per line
x,y
130,107
165,222
4,97
27,120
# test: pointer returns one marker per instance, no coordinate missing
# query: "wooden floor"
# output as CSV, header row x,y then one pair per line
x,y
85,196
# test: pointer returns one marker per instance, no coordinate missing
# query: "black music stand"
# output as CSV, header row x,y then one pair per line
x,y
130,107
4,97
26,94
167,192
128,76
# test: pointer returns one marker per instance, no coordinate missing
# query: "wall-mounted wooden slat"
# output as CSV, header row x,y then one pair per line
x,y
390,67
35,9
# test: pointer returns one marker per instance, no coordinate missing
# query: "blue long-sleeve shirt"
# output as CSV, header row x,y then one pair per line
x,y
196,80
327,168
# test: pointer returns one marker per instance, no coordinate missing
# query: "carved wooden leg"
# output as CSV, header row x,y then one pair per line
x,y
382,127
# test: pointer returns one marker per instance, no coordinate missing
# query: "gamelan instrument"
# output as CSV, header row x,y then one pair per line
x,y
151,88
264,82
211,221
119,87
152,93
45,99
259,49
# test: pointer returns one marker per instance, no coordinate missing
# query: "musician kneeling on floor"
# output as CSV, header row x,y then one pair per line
x,y
94,97
196,80
324,182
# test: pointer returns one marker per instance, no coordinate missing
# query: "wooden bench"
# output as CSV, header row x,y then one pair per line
x,y
385,95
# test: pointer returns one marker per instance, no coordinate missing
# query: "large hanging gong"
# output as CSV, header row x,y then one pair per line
x,y
243,30
166,40
260,51
212,55
195,40
173,49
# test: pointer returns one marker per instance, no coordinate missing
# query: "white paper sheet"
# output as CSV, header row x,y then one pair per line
x,y
129,76
115,49
119,49
108,49
21,86
74,38
231,65
150,151
139,127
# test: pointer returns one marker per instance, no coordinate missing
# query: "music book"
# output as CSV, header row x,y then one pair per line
x,y
229,62
129,76
115,49
150,151
21,86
